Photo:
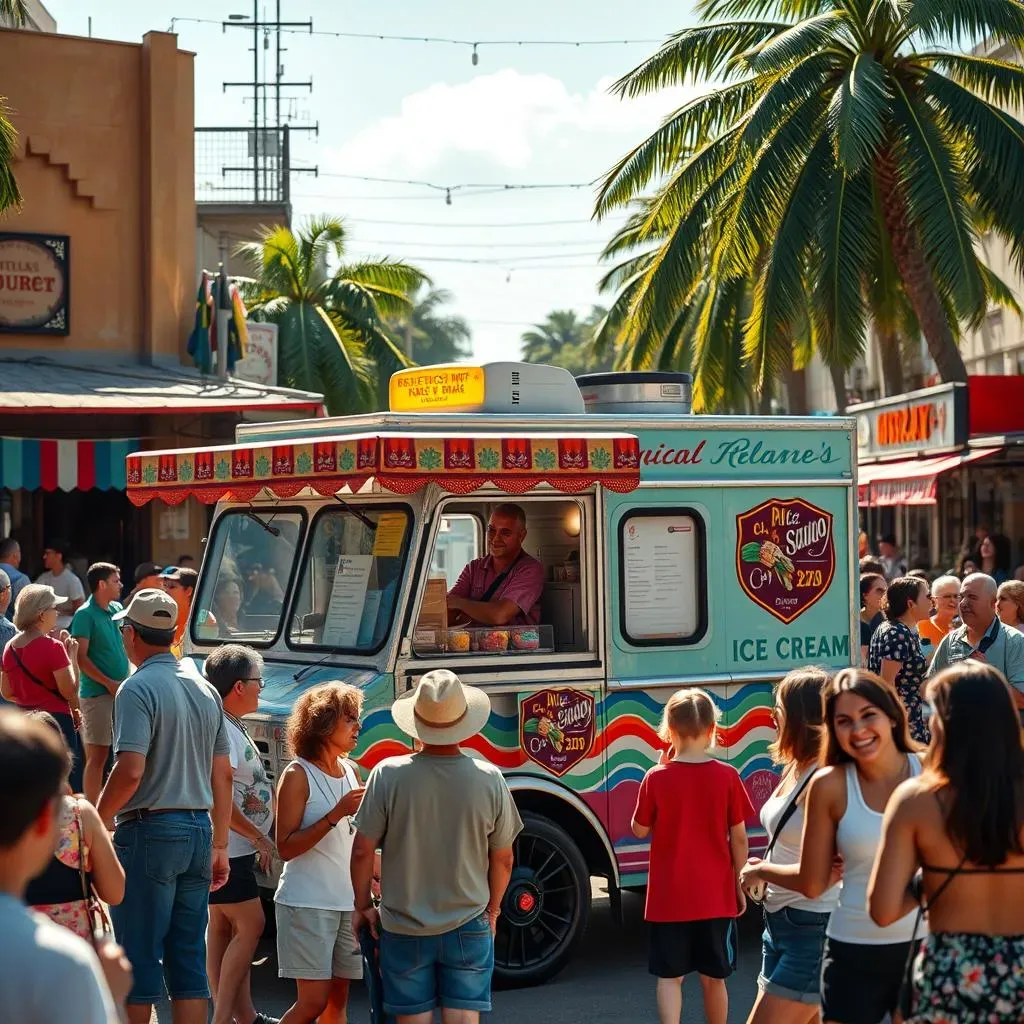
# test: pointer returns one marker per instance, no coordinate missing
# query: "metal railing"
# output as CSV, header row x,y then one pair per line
x,y
243,165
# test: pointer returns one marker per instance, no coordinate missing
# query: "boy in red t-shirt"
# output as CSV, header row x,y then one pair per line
x,y
694,809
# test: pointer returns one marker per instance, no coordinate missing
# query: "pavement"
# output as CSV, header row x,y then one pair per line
x,y
606,983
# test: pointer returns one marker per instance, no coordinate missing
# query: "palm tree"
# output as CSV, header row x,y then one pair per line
x,y
429,336
332,332
840,128
566,339
14,12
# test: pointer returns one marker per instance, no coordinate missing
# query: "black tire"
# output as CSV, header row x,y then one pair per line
x,y
546,906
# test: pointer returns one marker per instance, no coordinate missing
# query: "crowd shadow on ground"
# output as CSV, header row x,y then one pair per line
x,y
606,983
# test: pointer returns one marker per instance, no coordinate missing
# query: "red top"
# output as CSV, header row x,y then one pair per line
x,y
690,809
42,657
524,584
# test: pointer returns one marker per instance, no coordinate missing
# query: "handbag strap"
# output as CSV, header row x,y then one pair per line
x,y
788,812
24,668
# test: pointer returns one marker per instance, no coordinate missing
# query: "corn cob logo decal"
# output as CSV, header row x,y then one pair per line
x,y
785,555
556,728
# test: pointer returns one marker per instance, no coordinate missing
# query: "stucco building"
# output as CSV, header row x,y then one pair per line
x,y
98,276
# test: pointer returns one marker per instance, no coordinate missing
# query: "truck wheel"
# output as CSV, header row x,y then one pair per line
x,y
546,905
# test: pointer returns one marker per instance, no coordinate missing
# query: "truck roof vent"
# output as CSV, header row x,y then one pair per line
x,y
657,393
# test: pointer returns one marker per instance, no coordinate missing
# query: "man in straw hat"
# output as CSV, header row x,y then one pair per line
x,y
446,871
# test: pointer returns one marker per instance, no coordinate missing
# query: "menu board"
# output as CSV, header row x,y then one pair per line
x,y
390,532
660,577
348,596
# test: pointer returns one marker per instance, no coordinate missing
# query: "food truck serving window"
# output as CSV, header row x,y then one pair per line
x,y
351,578
662,577
246,577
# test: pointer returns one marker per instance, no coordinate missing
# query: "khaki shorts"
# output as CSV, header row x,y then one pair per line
x,y
316,945
98,720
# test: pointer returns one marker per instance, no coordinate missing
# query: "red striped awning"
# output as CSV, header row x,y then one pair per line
x,y
910,481
402,463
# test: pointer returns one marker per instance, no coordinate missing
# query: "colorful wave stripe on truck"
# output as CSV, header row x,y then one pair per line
x,y
625,747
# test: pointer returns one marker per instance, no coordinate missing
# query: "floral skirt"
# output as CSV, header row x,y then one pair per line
x,y
73,915
963,978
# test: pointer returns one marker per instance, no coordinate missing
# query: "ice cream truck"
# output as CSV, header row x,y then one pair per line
x,y
678,550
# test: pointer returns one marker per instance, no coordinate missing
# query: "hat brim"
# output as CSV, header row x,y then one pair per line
x,y
478,710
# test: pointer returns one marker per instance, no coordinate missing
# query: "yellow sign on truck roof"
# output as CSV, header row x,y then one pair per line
x,y
437,389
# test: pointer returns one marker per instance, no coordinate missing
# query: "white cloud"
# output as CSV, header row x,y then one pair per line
x,y
507,117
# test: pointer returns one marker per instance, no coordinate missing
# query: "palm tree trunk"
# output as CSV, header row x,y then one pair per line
x,y
915,273
796,391
892,360
839,386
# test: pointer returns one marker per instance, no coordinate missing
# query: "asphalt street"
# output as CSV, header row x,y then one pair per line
x,y
607,982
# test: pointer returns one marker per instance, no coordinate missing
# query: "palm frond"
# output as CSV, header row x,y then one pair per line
x,y
997,81
696,54
933,180
796,43
966,21
10,195
779,10
859,114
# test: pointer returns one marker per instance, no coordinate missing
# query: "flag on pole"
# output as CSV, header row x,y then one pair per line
x,y
199,341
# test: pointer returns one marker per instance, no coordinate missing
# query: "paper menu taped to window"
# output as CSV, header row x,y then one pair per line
x,y
387,541
348,597
660,568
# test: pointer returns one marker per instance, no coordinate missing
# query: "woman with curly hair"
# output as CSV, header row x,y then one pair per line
x,y
319,792
961,824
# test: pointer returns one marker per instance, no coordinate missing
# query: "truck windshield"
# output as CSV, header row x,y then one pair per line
x,y
351,578
246,575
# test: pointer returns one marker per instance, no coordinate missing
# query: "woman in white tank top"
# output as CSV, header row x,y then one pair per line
x,y
794,926
319,792
867,754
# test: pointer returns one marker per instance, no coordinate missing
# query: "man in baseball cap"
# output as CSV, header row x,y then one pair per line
x,y
438,800
172,768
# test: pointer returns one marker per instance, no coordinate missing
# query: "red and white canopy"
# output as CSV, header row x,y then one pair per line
x,y
910,481
402,463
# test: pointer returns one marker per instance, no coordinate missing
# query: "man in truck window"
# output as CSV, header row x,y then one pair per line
x,y
503,588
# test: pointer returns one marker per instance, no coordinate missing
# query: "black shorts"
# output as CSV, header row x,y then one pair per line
x,y
241,884
679,948
860,984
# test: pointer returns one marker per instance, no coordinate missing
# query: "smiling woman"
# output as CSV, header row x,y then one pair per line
x,y
868,753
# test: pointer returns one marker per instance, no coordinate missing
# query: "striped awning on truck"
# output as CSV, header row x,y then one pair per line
x,y
402,463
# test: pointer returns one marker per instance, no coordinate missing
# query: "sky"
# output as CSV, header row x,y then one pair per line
x,y
424,112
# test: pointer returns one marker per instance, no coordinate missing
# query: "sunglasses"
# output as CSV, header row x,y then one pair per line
x,y
256,679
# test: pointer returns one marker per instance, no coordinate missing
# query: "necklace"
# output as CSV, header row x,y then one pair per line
x,y
237,722
329,798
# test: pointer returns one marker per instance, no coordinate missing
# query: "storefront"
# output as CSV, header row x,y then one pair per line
x,y
936,464
97,299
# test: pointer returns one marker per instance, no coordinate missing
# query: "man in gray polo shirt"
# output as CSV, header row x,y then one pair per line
x,y
173,765
982,636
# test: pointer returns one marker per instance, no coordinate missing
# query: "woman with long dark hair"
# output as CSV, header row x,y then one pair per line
x,y
994,557
895,652
794,925
962,824
867,753
872,591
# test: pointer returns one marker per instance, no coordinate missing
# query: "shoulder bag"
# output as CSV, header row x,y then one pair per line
x,y
757,891
100,928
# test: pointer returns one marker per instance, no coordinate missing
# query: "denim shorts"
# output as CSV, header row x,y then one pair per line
x,y
791,948
167,861
452,970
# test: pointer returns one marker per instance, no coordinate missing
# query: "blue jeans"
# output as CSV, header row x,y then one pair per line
x,y
791,949
162,920
452,970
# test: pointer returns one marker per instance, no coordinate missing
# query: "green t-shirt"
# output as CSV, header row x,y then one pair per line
x,y
106,649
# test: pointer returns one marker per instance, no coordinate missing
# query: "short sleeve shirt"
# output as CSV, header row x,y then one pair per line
x,y
251,789
1002,646
106,649
690,808
173,716
524,584
42,658
896,642
67,586
437,819
47,973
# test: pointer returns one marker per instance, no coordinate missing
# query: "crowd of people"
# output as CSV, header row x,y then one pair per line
x,y
892,883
